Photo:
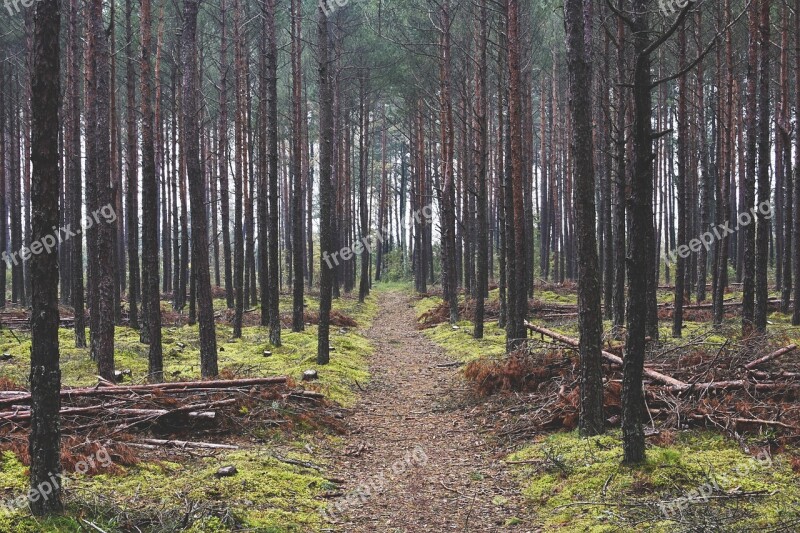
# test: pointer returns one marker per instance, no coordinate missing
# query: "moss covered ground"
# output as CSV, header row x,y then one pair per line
x,y
266,494
699,480
580,485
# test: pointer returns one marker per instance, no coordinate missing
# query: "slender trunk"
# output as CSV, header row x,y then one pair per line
x,y
102,303
272,172
590,322
200,261
298,287
763,218
132,199
516,328
151,297
748,231
45,376
326,142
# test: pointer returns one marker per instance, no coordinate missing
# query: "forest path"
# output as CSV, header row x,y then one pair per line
x,y
414,459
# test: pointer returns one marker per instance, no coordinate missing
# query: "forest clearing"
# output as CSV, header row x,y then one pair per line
x,y
422,265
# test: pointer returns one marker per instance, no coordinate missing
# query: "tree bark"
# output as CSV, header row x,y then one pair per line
x,y
200,260
763,227
102,303
590,324
326,142
45,376
151,297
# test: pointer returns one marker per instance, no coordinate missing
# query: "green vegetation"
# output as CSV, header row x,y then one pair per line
x,y
265,495
242,357
580,485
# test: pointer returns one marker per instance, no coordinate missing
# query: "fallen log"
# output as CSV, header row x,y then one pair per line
x,y
190,444
194,411
769,357
652,374
175,386
736,384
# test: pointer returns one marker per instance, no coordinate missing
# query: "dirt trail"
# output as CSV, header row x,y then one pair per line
x,y
414,459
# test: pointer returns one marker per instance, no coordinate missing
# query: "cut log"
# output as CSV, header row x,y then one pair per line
x,y
652,374
769,357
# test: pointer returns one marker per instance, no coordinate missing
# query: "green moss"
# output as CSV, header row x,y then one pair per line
x,y
462,346
265,495
553,297
242,357
423,305
580,485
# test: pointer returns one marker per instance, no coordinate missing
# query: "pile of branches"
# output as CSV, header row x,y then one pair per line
x,y
19,319
466,311
176,414
737,388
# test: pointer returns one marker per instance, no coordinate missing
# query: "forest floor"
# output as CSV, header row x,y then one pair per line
x,y
416,458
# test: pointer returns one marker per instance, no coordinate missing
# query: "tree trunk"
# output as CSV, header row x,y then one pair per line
x,y
681,188
224,156
200,262
590,323
45,376
297,174
272,171
132,200
102,304
326,142
151,297
516,330
748,231
763,229
241,162
481,168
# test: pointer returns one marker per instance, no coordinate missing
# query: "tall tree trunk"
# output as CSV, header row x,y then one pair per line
x,y
102,304
516,330
363,177
272,172
45,376
787,195
297,174
241,161
197,182
590,323
5,260
481,168
640,207
748,231
326,142
132,202
224,156
796,227
151,297
449,260
681,188
763,229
